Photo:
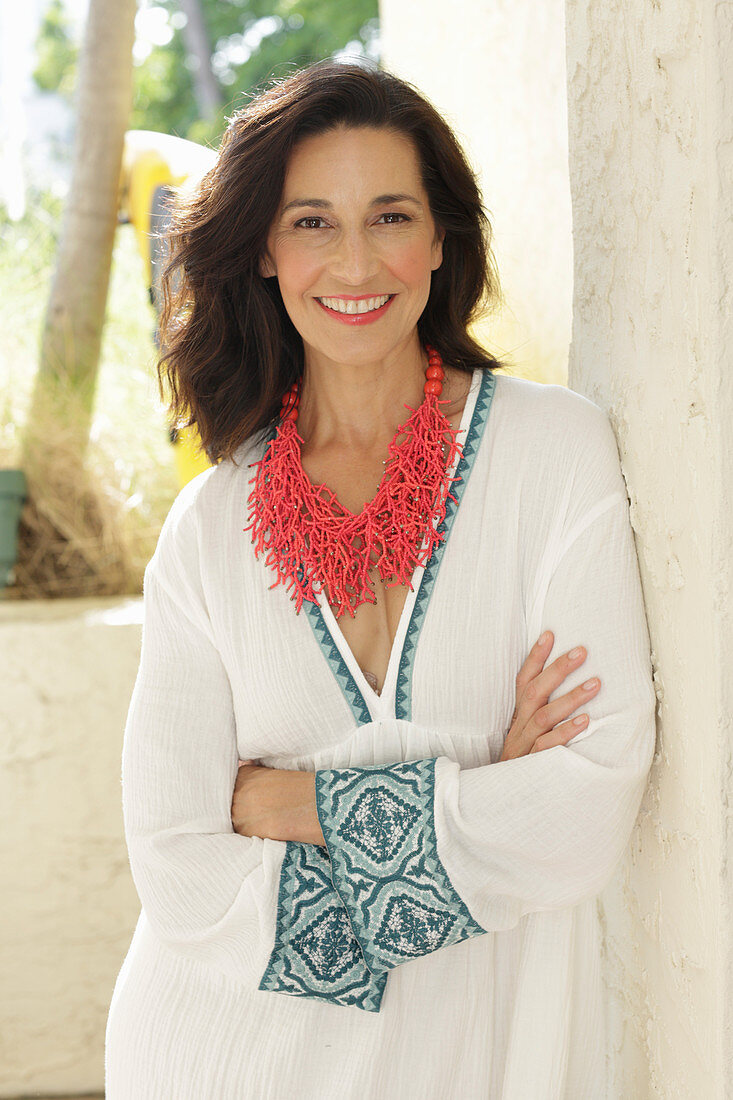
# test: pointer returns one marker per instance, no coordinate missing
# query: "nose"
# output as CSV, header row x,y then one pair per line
x,y
354,259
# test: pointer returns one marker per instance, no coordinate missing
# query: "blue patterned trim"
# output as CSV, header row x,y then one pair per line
x,y
403,691
340,669
316,954
379,829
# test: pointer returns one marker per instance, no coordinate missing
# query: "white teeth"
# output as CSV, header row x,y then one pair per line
x,y
349,305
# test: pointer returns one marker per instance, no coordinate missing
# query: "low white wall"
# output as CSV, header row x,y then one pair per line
x,y
68,669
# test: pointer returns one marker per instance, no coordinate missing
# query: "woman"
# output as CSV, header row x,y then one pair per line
x,y
394,895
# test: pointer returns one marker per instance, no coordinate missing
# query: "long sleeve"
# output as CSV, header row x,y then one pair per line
x,y
426,854
208,893
547,830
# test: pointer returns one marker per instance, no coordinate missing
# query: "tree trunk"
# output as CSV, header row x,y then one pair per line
x,y
196,38
63,395
71,540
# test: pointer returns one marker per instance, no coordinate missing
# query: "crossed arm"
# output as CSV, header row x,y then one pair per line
x,y
417,854
276,803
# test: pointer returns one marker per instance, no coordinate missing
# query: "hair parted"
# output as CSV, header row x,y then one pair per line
x,y
228,349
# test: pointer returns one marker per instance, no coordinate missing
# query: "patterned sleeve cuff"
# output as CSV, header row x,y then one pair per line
x,y
379,828
316,953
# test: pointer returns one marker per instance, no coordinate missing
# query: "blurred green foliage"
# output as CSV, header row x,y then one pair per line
x,y
56,52
252,42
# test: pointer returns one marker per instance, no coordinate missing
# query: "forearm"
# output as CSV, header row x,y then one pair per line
x,y
299,820
276,803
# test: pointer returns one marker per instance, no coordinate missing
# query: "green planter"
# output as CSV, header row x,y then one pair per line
x,y
12,496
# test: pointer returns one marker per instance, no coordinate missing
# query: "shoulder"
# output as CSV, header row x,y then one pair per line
x,y
548,406
557,447
565,424
199,506
206,491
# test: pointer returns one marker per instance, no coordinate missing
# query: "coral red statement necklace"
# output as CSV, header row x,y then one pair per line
x,y
311,539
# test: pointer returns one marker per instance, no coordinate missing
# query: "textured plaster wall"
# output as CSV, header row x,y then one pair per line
x,y
69,904
496,71
651,153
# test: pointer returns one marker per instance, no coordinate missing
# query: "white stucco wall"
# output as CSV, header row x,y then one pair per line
x,y
496,71
69,904
651,158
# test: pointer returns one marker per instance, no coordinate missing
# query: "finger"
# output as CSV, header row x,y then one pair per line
x,y
534,721
560,668
535,661
539,689
561,734
561,708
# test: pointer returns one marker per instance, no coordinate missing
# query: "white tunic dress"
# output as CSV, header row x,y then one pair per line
x,y
446,943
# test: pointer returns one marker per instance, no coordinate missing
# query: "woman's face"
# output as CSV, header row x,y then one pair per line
x,y
353,232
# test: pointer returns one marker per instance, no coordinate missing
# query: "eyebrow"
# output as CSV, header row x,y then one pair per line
x,y
380,200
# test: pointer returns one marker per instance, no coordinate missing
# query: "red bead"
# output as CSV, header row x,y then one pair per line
x,y
291,414
433,386
434,371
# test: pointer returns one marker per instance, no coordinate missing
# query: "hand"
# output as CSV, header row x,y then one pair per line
x,y
276,803
534,722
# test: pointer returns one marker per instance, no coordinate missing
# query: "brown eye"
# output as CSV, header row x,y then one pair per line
x,y
307,222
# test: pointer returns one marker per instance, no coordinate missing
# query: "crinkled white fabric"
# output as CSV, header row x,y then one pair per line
x,y
541,539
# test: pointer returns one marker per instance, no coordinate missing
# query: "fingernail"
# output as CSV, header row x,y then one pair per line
x,y
575,653
545,638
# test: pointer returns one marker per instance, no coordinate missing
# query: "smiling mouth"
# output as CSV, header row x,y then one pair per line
x,y
355,306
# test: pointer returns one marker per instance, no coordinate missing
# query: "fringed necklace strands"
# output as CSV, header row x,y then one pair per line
x,y
311,539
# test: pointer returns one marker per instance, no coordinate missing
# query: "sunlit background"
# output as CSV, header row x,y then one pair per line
x,y
175,92
194,63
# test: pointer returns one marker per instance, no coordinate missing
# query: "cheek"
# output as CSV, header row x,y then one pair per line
x,y
413,264
297,270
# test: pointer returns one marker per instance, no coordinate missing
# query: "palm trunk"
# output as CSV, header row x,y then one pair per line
x,y
65,385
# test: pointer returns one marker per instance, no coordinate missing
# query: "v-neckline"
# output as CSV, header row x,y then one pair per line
x,y
366,704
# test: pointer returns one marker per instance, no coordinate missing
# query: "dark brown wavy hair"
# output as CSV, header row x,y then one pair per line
x,y
228,347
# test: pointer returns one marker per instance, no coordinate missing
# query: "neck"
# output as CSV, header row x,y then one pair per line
x,y
359,405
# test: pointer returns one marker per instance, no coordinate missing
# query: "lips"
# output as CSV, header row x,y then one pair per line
x,y
372,312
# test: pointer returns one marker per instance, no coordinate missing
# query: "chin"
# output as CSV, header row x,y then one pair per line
x,y
353,352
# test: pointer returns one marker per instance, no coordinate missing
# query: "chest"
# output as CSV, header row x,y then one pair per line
x,y
444,655
370,631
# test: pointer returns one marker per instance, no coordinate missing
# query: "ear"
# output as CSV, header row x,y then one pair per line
x,y
436,254
266,266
